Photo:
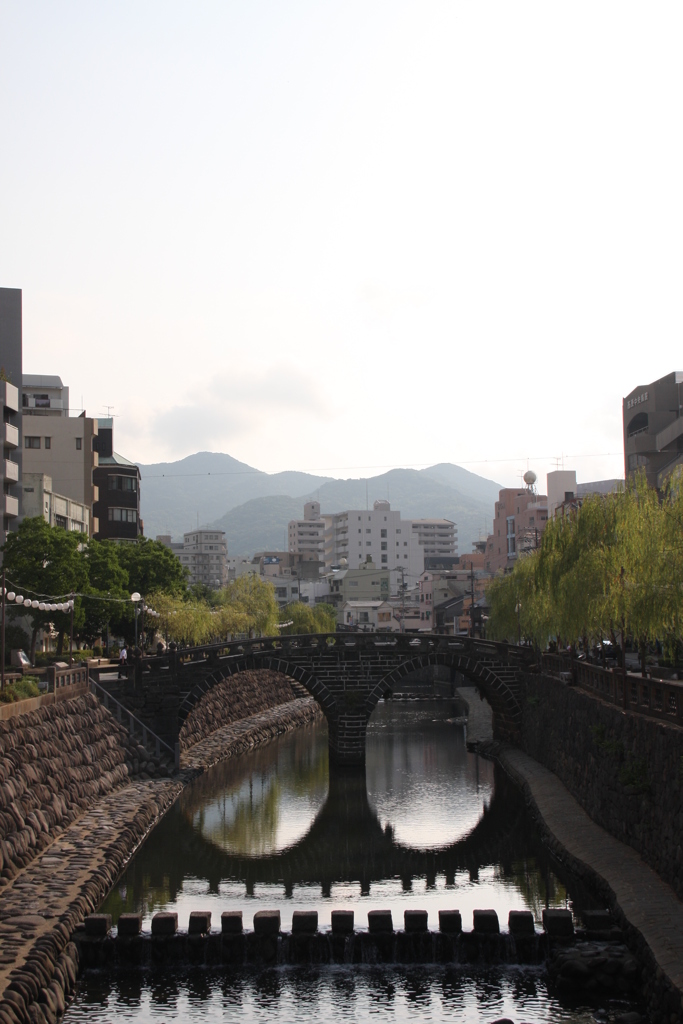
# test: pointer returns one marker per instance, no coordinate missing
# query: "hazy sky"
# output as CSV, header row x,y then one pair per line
x,y
342,236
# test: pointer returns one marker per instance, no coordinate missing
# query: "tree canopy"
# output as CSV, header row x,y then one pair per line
x,y
617,562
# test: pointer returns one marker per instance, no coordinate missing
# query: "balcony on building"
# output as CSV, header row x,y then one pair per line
x,y
11,505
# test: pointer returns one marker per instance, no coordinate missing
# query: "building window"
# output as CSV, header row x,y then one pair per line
x,y
398,531
48,443
61,521
384,558
122,483
382,533
31,442
123,515
79,443
368,543
383,545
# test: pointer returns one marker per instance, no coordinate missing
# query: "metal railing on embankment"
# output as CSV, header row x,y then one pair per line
x,y
656,698
126,717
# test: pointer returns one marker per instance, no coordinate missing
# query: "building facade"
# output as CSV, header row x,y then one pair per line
x,y
205,556
307,536
653,429
57,445
117,508
519,521
39,499
438,538
352,537
10,397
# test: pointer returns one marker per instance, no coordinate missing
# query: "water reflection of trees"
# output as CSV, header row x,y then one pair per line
x,y
343,840
241,805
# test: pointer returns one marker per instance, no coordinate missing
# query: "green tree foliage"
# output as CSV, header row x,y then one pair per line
x,y
616,563
42,560
321,618
152,568
108,585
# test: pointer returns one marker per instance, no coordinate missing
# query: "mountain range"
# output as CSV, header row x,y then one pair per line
x,y
253,507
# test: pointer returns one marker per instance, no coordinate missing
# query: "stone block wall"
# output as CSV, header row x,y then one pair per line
x,y
54,763
625,769
247,693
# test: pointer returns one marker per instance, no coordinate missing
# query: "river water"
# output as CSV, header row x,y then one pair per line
x,y
430,826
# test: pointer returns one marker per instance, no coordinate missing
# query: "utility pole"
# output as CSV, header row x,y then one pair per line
x,y
472,600
402,571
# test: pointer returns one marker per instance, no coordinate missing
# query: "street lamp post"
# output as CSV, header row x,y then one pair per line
x,y
135,598
71,631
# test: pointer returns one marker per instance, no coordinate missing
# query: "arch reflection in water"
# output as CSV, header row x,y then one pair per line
x,y
264,802
270,829
421,781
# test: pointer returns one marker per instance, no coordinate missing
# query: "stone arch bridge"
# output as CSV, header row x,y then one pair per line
x,y
347,673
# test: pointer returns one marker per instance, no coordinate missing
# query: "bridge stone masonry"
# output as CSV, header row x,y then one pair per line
x,y
346,673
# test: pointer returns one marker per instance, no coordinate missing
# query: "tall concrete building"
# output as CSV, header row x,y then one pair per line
x,y
352,538
438,538
307,536
11,397
117,507
653,429
205,556
519,521
58,445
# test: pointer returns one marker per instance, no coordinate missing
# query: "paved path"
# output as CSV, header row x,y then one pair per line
x,y
648,903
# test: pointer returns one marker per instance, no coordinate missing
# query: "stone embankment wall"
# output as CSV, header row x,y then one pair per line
x,y
242,695
626,770
54,763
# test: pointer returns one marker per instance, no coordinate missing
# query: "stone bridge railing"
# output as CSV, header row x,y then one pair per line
x,y
657,698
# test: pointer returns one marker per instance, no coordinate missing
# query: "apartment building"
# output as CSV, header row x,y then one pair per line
x,y
205,556
653,429
118,483
307,536
10,399
519,521
348,539
438,538
39,499
57,445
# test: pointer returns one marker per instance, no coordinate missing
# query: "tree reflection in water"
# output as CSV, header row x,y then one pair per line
x,y
425,808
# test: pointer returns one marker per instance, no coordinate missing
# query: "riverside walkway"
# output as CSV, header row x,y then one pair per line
x,y
647,903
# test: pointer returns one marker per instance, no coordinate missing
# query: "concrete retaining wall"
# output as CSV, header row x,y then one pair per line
x,y
625,769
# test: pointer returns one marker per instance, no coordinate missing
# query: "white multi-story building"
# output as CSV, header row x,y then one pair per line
x,y
349,539
436,537
307,536
205,556
379,534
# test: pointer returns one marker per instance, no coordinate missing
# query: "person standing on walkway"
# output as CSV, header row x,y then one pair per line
x,y
123,662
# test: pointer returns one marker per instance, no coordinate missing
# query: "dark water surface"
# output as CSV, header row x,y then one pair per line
x,y
429,826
